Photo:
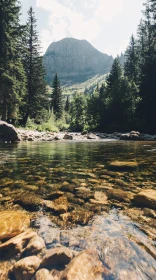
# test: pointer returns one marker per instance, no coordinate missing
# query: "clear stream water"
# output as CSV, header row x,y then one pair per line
x,y
126,245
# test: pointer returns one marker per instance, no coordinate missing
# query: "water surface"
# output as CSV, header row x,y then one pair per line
x,y
123,233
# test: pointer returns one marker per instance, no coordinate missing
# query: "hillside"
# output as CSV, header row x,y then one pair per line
x,y
75,61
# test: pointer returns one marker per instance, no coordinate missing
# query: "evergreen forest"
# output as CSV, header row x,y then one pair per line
x,y
125,101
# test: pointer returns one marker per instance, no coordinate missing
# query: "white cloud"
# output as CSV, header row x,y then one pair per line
x,y
113,50
66,21
108,9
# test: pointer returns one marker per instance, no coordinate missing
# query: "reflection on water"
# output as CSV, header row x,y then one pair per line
x,y
78,177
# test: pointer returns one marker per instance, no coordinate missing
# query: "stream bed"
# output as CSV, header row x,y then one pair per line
x,y
82,195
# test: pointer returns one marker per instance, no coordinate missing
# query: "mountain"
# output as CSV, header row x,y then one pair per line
x,y
75,61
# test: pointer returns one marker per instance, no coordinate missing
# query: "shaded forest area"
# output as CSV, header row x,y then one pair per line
x,y
125,101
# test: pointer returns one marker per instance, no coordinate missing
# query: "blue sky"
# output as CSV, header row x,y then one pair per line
x,y
106,24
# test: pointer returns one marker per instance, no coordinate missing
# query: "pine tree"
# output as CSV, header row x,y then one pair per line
x,y
67,104
35,98
147,106
131,63
12,76
78,112
56,98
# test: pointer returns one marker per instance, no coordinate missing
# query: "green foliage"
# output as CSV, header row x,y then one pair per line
x,y
12,76
78,112
56,98
36,95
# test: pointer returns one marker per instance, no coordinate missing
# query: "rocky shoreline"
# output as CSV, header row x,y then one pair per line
x,y
8,133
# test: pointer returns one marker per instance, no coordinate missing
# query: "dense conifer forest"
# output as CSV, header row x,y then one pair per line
x,y
125,101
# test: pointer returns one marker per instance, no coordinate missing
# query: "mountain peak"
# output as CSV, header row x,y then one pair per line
x,y
75,61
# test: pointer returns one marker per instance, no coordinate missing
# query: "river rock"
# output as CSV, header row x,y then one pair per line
x,y
133,135
123,165
59,205
91,136
27,242
43,274
120,195
146,198
26,268
55,195
68,137
86,266
12,223
58,258
29,201
8,132
81,217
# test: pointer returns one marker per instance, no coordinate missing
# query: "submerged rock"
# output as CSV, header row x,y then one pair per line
x,y
123,165
26,268
8,132
86,266
58,258
120,195
146,198
81,217
27,242
12,223
43,274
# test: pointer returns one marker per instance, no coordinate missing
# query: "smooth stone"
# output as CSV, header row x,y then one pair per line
x,y
27,242
8,132
120,195
58,258
12,223
26,268
146,198
43,274
123,165
86,266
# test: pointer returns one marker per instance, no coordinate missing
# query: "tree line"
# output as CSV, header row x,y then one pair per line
x,y
126,100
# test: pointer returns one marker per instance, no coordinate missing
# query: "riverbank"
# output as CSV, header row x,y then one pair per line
x,y
30,135
8,133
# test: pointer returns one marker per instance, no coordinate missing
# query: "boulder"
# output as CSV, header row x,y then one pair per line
x,y
12,223
8,132
86,266
58,258
91,136
27,242
43,274
133,135
26,268
68,137
146,198
123,165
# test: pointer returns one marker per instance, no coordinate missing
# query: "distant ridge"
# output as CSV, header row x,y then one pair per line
x,y
75,61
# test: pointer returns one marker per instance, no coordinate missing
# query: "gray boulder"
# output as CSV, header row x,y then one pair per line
x,y
8,132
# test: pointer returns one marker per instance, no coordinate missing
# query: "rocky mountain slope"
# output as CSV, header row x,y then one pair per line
x,y
75,61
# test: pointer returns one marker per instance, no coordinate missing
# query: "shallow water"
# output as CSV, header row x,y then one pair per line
x,y
123,234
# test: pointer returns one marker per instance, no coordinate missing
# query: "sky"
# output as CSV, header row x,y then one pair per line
x,y
106,24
